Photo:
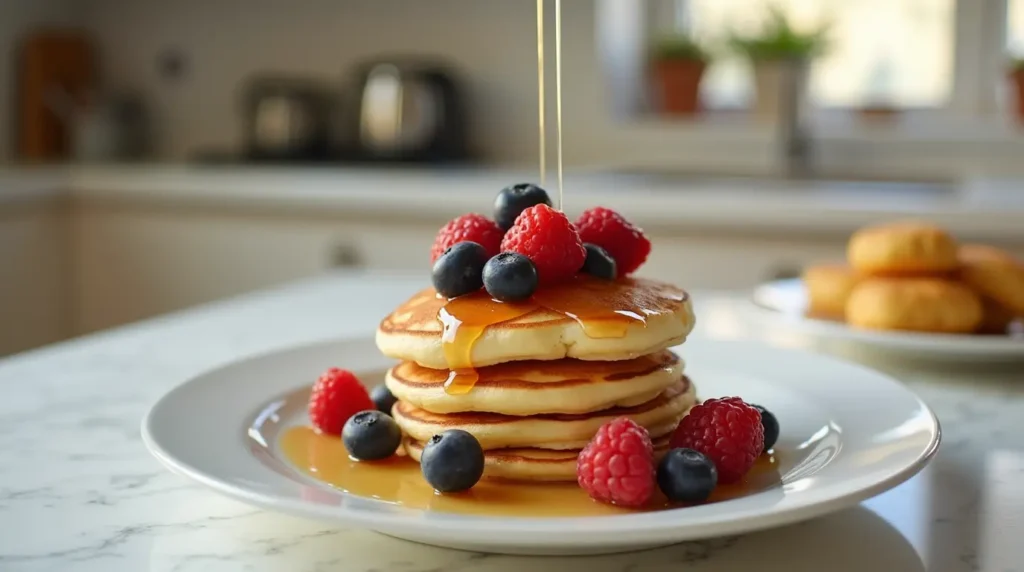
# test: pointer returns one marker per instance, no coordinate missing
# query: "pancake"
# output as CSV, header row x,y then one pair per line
x,y
625,319
660,416
533,387
531,464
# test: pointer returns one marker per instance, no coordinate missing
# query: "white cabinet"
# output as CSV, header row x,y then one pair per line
x,y
137,262
34,285
133,263
728,261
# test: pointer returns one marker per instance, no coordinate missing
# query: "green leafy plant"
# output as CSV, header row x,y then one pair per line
x,y
1017,64
679,47
778,40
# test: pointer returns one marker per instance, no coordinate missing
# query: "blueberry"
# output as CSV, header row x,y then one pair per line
x,y
515,199
460,269
510,276
771,427
599,263
452,461
371,435
383,398
685,475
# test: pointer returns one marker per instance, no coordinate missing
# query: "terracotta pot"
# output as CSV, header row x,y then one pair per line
x,y
879,113
1017,81
679,85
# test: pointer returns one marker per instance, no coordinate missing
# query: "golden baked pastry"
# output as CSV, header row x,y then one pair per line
x,y
914,304
906,248
995,274
996,318
828,287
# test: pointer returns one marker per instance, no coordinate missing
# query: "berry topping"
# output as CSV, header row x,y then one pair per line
x,y
599,263
685,475
513,200
371,435
617,466
337,395
383,398
607,229
549,240
510,276
728,431
468,228
452,461
460,269
771,427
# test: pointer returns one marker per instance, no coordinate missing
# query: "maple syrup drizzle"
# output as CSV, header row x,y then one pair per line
x,y
604,309
464,320
398,481
540,91
558,99
541,97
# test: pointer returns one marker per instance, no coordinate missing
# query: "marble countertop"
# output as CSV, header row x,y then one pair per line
x,y
980,210
78,491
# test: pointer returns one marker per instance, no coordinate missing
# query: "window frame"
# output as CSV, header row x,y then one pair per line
x,y
974,131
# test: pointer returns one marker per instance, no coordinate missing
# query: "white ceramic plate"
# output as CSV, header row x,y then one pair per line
x,y
848,433
784,302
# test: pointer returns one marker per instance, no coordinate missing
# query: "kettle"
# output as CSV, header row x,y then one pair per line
x,y
409,111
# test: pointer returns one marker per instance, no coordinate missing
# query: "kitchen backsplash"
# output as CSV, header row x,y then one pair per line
x,y
213,46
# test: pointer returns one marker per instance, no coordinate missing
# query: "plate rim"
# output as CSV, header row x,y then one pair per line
x,y
931,343
651,525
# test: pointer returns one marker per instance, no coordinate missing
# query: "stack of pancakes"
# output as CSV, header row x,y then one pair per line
x,y
545,386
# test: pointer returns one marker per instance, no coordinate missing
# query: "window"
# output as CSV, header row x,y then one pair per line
x,y
892,52
908,88
1015,28
910,54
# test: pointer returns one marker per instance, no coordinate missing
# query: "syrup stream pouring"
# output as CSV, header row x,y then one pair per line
x,y
540,90
541,96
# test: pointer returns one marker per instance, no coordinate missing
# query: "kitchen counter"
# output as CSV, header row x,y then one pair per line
x,y
79,492
658,202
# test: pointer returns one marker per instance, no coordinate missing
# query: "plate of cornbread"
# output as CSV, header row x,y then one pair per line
x,y
910,287
537,398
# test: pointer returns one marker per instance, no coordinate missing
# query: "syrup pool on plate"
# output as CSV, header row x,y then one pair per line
x,y
603,308
398,481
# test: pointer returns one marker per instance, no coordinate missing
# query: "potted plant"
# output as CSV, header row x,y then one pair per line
x,y
679,63
1017,83
780,56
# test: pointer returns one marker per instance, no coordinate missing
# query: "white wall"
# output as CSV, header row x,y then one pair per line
x,y
492,42
16,18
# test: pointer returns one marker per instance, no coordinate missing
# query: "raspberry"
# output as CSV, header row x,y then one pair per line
x,y
468,227
337,395
617,466
727,431
547,238
607,229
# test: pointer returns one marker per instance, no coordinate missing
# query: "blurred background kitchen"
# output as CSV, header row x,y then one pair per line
x,y
157,155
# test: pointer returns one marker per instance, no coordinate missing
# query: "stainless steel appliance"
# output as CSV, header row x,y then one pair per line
x,y
286,119
408,110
